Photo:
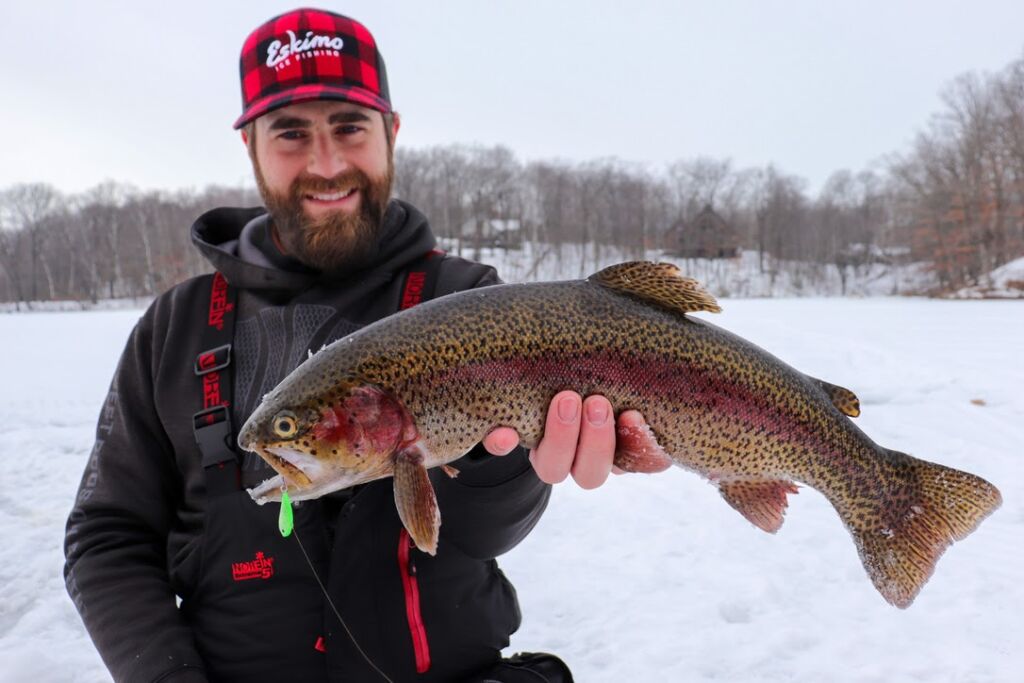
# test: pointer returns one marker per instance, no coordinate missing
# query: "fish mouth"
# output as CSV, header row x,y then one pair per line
x,y
302,474
268,491
293,472
297,470
295,466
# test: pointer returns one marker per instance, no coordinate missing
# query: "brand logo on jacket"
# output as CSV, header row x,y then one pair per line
x,y
211,391
219,302
262,567
413,293
279,53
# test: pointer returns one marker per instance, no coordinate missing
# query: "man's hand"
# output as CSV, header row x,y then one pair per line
x,y
579,438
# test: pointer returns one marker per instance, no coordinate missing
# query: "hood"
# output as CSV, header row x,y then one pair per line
x,y
234,242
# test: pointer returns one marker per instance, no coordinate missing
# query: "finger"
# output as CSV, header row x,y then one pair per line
x,y
553,456
501,441
596,447
631,418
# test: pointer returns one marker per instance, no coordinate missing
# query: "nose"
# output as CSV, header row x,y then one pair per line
x,y
326,159
247,436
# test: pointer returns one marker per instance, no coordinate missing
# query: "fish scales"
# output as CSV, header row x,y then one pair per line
x,y
421,388
504,356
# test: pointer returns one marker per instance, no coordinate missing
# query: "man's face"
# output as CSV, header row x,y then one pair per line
x,y
324,170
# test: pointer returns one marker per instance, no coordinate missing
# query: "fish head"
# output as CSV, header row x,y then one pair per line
x,y
326,440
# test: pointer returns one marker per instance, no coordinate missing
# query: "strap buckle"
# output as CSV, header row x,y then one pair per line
x,y
212,431
215,359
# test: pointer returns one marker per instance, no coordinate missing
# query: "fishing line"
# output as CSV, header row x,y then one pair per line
x,y
292,530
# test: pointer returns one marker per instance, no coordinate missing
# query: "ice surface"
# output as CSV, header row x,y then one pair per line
x,y
652,577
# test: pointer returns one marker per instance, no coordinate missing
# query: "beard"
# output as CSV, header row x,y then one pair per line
x,y
337,241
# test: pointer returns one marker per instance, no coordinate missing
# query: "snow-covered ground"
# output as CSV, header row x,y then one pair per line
x,y
650,578
1005,282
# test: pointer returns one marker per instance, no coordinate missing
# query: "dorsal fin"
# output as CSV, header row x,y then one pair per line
x,y
657,283
843,399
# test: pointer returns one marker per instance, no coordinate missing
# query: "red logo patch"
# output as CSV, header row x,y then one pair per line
x,y
219,302
260,568
211,390
413,289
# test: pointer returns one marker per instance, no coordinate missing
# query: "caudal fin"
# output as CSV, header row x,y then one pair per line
x,y
925,509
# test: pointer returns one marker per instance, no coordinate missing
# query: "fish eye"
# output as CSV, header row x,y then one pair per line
x,y
285,424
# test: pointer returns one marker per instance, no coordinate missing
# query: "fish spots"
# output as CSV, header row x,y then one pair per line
x,y
715,404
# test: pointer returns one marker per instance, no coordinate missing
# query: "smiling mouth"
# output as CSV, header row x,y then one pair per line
x,y
331,196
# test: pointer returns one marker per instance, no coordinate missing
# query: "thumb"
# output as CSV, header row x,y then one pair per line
x,y
501,441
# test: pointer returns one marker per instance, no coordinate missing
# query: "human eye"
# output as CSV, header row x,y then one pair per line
x,y
293,134
349,129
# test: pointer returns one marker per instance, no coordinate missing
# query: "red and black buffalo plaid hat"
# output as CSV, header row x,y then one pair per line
x,y
310,54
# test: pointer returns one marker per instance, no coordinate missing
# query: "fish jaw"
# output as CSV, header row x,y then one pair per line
x,y
310,468
270,490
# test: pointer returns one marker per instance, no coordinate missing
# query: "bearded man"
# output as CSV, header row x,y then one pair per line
x,y
177,573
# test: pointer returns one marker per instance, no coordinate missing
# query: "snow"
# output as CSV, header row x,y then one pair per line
x,y
651,577
1005,282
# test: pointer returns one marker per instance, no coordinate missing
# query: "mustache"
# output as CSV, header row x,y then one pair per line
x,y
309,184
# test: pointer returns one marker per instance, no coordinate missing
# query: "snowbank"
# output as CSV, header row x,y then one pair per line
x,y
1005,282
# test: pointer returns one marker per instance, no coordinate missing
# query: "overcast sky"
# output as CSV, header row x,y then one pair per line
x,y
145,92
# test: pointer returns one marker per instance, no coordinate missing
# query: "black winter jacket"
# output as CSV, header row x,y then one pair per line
x,y
174,584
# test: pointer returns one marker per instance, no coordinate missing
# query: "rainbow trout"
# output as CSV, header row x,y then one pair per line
x,y
421,388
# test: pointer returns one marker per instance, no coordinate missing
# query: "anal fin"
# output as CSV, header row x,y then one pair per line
x,y
415,499
762,501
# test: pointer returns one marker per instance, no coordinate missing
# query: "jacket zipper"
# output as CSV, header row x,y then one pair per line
x,y
410,585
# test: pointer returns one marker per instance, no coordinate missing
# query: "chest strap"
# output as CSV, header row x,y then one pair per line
x,y
211,425
421,280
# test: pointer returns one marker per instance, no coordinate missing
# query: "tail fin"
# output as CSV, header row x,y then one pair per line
x,y
926,508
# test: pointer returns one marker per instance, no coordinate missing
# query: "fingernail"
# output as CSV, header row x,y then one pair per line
x,y
597,413
567,409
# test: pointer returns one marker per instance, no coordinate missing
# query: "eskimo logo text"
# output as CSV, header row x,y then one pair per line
x,y
279,51
260,568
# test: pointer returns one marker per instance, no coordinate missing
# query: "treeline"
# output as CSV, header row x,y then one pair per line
x,y
111,241
960,188
955,200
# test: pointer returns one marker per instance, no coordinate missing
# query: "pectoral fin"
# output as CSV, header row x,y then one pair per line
x,y
637,450
762,501
414,497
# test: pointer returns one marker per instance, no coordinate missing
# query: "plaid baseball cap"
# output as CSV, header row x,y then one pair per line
x,y
310,54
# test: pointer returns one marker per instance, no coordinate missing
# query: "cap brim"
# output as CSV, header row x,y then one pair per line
x,y
308,93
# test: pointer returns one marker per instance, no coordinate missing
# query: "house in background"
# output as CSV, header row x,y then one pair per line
x,y
503,233
707,235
